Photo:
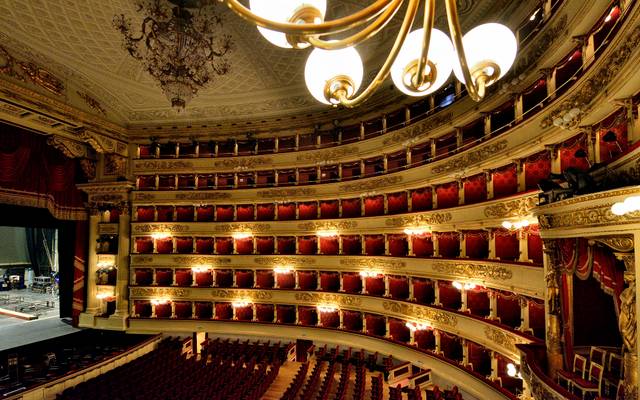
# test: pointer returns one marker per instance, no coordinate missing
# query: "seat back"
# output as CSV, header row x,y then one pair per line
x,y
615,365
579,365
595,375
620,391
597,355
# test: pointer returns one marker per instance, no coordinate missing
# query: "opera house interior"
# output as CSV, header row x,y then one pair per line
x,y
319,199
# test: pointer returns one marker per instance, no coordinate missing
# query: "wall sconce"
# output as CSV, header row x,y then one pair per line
x,y
370,274
512,371
629,205
327,308
105,296
523,223
156,302
327,233
418,326
465,286
417,231
160,235
201,268
240,303
282,270
241,235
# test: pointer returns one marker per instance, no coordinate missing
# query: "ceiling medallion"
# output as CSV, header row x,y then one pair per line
x,y
180,44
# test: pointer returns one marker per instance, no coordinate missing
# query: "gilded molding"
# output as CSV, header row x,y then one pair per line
x,y
242,294
539,389
68,147
543,43
201,196
91,102
376,183
421,219
162,164
315,226
415,130
500,338
241,163
39,200
584,217
284,260
622,243
149,228
372,263
145,196
320,298
201,260
474,270
26,71
255,228
421,312
159,292
141,259
513,208
328,155
468,158
284,193
593,196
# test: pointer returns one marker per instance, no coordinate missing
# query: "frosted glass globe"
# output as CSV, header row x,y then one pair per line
x,y
282,11
324,65
632,203
441,54
619,209
488,43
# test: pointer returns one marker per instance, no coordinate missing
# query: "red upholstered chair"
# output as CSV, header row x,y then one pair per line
x,y
184,277
329,209
592,384
374,285
577,372
397,203
329,319
244,245
164,277
286,280
264,279
307,280
204,213
204,245
224,213
475,189
286,211
286,245
285,314
329,245
450,297
224,245
374,245
351,244
244,279
164,245
204,310
165,213
184,213
505,181
374,206
265,212
507,245
351,282
142,308
307,316
398,287
244,313
163,310
329,281
425,339
144,245
398,330
307,245
352,320
224,278
184,245
224,311
204,278
145,214
421,199
398,245
376,325
265,312
423,291
351,208
422,245
144,276
244,212
447,195
183,309
308,210
613,373
264,245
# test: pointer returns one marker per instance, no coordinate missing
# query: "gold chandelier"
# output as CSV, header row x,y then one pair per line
x,y
419,62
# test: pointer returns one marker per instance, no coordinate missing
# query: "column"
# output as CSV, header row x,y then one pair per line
x,y
409,201
494,366
341,289
296,278
255,277
193,310
523,243
319,286
434,196
411,296
173,309
550,77
555,158
463,297
436,335
254,316
488,178
463,244
93,305
493,305
387,333
436,293
460,192
364,323
235,284
386,243
520,175
173,277
524,315
297,316
412,337
410,245
436,247
553,273
433,151
387,292
385,163
408,156
519,111
153,310
492,245
341,326
627,322
362,133
465,352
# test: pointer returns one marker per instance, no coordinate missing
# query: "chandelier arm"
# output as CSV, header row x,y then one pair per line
x,y
427,25
475,92
371,30
383,73
337,25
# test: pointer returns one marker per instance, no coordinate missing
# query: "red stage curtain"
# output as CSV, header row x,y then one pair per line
x,y
351,208
329,209
285,314
265,212
307,280
423,291
286,280
307,316
397,203
183,277
478,302
244,313
374,245
507,245
264,279
264,245
286,211
165,213
224,245
421,199
286,245
204,213
244,212
399,287
480,358
244,279
477,244
204,245
142,308
508,309
224,213
352,320
308,210
144,277
144,244
350,244
183,309
534,245
164,246
145,214
422,245
451,346
224,278
307,245
536,168
450,297
374,285
163,310
204,278
184,245
204,310
224,311
330,319
475,189
376,325
398,330
505,181
244,246
264,312
184,213
425,339
567,154
351,282
374,206
164,277
398,245
447,195
329,281
448,244
329,245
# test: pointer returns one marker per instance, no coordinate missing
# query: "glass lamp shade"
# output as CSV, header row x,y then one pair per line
x,y
441,54
325,65
488,43
283,11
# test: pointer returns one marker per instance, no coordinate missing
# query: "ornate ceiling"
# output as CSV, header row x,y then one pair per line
x,y
76,42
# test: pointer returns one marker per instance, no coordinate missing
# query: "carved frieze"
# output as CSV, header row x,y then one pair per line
x,y
328,155
590,216
421,219
512,208
242,294
27,71
421,312
153,165
373,263
242,163
500,337
471,157
159,292
474,270
329,298
190,260
115,165
320,226
144,196
68,147
141,259
285,193
255,228
622,243
542,43
149,228
203,196
284,260
415,130
372,184
91,102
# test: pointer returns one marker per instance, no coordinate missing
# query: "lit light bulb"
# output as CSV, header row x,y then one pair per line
x,y
327,233
241,235
296,11
329,70
632,203
511,370
619,209
282,270
457,285
507,225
